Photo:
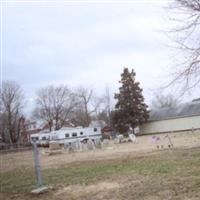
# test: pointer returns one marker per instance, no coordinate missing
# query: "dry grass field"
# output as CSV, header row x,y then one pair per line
x,y
118,171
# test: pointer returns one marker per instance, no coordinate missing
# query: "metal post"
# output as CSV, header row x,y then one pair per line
x,y
37,164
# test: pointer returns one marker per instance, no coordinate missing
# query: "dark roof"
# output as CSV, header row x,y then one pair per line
x,y
107,129
184,110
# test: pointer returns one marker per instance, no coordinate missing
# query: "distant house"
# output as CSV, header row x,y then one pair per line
x,y
66,124
185,117
29,127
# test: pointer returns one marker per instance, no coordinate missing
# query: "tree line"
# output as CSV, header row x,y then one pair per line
x,y
54,105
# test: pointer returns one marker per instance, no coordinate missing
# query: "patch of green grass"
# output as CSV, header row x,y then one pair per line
x,y
86,173
21,180
167,164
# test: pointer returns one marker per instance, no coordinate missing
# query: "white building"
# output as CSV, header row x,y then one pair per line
x,y
185,117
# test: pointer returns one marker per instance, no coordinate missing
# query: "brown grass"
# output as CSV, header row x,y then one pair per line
x,y
125,171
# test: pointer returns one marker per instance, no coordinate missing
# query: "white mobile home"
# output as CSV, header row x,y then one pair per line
x,y
75,134
67,135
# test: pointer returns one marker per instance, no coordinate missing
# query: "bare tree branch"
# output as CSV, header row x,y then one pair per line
x,y
187,36
88,106
54,105
12,102
164,101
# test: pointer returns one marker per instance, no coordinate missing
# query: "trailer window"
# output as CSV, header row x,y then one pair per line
x,y
67,135
44,138
81,133
74,134
95,129
35,138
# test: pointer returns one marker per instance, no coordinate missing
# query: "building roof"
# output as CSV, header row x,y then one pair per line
x,y
184,110
107,129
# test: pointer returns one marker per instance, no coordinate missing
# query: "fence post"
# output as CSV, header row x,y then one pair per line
x,y
37,164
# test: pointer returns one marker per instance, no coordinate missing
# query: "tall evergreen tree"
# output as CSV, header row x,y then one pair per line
x,y
130,109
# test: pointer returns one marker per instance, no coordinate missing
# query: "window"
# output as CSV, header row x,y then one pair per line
x,y
35,138
44,138
67,135
74,134
81,133
95,129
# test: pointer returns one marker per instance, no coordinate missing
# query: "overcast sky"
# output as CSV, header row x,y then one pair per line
x,y
85,44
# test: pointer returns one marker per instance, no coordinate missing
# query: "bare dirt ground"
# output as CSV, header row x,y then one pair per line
x,y
98,190
144,144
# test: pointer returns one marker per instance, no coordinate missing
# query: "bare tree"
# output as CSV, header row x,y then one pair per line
x,y
187,36
165,101
11,103
88,106
54,105
85,96
105,113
